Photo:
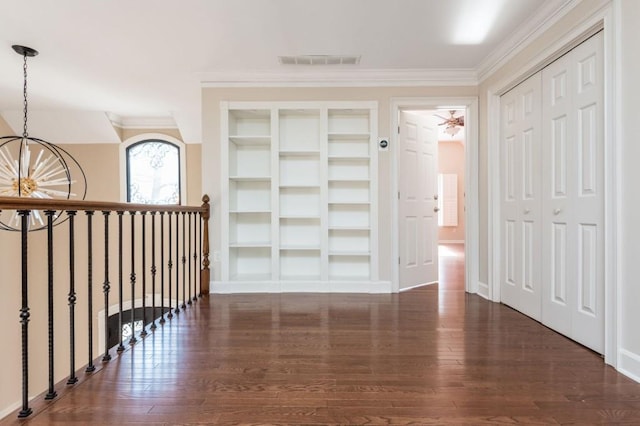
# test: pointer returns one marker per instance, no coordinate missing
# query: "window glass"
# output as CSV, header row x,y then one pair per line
x,y
153,173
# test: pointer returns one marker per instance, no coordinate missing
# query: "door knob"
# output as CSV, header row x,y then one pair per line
x,y
436,209
435,196
557,211
527,211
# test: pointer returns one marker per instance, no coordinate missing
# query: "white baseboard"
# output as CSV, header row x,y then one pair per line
x,y
483,290
9,409
231,287
450,241
629,364
13,407
417,286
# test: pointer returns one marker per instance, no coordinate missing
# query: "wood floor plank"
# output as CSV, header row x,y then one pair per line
x,y
432,355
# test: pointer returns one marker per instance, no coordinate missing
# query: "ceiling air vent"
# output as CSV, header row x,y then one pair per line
x,y
319,60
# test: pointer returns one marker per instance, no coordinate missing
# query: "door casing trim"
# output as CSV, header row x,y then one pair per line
x,y
471,213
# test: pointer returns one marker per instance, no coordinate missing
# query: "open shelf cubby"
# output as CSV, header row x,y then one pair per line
x,y
249,196
250,263
349,241
250,229
349,267
248,123
299,196
349,191
300,169
300,264
300,233
299,130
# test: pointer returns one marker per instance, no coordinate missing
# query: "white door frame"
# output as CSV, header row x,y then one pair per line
x,y
606,19
471,213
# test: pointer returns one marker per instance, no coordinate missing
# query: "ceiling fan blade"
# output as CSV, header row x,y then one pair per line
x,y
439,116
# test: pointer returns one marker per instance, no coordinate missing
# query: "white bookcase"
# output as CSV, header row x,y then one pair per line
x,y
299,196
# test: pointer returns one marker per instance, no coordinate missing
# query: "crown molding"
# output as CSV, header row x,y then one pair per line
x,y
547,15
132,122
361,78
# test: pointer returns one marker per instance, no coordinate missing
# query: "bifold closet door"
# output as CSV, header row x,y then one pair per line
x,y
552,206
573,194
520,152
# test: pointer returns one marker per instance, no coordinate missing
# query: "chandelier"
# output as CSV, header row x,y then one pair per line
x,y
35,168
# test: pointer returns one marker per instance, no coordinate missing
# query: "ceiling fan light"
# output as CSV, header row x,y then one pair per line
x,y
452,130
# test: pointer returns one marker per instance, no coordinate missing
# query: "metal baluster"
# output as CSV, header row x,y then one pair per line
x,y
24,314
132,278
51,393
72,299
120,345
144,275
195,257
162,320
184,264
190,260
177,311
106,286
200,253
153,271
90,367
170,267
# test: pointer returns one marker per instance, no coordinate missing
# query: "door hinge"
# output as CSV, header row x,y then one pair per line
x,y
398,260
398,129
398,195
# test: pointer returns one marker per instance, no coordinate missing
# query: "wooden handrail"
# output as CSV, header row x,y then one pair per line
x,y
24,203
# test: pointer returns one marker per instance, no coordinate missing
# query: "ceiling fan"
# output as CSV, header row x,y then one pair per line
x,y
453,123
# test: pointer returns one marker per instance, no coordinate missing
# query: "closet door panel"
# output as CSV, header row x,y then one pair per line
x,y
520,152
588,101
511,266
557,186
573,194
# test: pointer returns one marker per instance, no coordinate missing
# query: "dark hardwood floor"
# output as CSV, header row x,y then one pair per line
x,y
433,355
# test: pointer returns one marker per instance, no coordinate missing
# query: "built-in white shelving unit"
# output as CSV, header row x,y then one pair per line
x,y
299,196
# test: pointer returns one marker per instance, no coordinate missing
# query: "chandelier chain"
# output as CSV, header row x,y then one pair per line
x,y
25,134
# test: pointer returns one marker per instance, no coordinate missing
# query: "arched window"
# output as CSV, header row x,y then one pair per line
x,y
154,171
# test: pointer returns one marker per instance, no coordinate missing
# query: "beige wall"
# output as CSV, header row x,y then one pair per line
x,y
211,98
5,130
451,159
9,309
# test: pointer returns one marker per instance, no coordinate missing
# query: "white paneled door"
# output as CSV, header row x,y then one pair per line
x,y
418,205
521,207
552,209
573,199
